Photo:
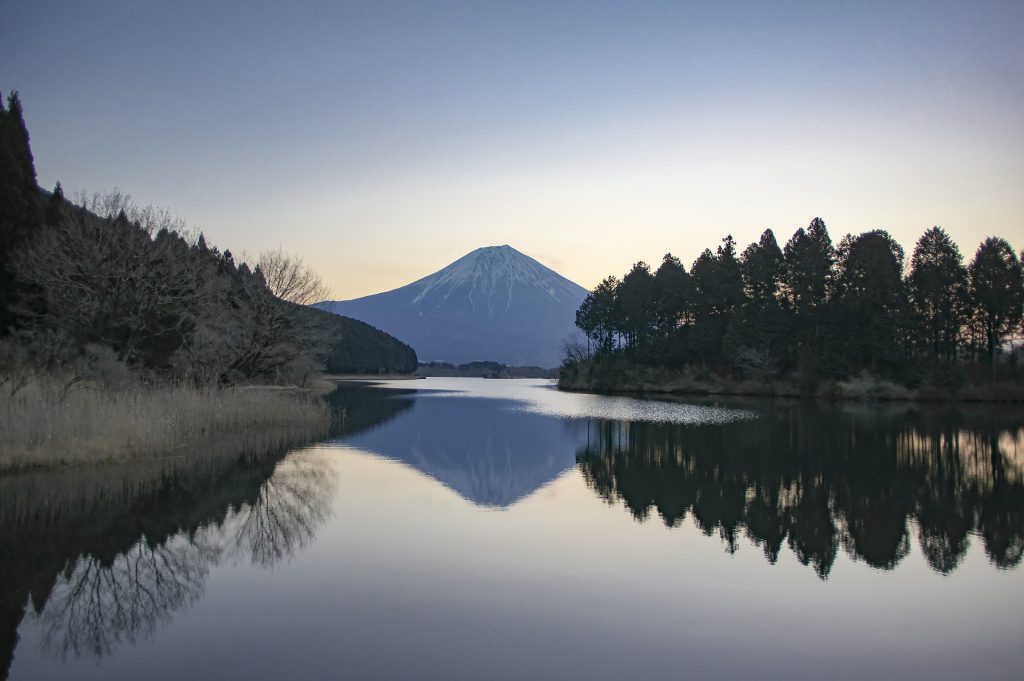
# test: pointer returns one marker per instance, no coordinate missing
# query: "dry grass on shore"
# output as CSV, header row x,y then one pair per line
x,y
43,425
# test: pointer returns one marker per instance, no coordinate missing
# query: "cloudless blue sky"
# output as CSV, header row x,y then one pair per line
x,y
381,140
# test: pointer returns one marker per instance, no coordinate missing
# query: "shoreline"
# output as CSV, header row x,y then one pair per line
x,y
370,377
864,389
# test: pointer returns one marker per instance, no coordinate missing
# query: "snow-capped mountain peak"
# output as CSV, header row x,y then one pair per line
x,y
497,266
494,303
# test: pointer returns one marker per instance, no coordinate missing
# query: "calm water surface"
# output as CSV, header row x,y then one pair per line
x,y
471,529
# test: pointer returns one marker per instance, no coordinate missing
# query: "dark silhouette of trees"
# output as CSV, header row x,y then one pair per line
x,y
718,295
811,311
598,316
871,300
19,206
673,310
809,258
938,292
758,333
764,267
997,291
637,302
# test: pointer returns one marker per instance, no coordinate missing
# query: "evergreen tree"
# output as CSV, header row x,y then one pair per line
x,y
674,292
809,257
718,294
938,291
754,335
597,316
19,205
871,296
763,267
637,300
996,292
56,206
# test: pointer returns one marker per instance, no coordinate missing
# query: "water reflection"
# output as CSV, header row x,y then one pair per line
x,y
820,480
489,451
97,603
104,555
94,606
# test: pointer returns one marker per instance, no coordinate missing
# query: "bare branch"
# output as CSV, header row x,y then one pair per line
x,y
290,279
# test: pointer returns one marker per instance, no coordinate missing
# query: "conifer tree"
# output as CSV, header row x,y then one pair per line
x,y
19,206
938,290
763,267
809,257
997,292
871,296
674,295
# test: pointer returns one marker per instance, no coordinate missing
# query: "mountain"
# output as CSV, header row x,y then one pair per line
x,y
492,304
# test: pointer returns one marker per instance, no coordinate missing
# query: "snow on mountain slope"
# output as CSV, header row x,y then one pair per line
x,y
494,303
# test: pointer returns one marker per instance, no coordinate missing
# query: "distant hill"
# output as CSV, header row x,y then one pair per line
x,y
493,304
349,346
483,370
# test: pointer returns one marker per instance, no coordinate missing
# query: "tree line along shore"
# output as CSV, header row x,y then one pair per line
x,y
122,331
812,318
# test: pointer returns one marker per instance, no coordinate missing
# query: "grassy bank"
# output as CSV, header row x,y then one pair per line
x,y
616,376
46,425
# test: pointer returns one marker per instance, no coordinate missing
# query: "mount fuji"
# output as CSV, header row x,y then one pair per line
x,y
494,303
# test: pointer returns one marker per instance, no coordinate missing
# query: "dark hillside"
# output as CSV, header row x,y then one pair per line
x,y
102,286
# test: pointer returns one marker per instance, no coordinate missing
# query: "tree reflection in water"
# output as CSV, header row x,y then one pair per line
x,y
283,517
97,604
102,555
820,479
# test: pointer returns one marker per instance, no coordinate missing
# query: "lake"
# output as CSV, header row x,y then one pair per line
x,y
486,529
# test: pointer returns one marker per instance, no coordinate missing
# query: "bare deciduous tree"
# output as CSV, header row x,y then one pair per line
x,y
290,279
109,280
758,361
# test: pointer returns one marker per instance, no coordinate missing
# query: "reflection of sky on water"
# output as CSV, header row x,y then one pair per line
x,y
541,397
495,442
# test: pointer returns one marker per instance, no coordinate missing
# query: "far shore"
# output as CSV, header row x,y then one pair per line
x,y
370,377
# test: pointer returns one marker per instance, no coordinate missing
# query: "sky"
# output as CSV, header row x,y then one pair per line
x,y
379,141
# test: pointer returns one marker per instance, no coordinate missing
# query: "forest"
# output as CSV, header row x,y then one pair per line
x,y
808,316
102,280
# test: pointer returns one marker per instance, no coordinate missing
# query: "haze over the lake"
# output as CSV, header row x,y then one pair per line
x,y
380,141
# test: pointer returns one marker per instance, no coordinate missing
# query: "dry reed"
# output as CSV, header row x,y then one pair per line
x,y
43,424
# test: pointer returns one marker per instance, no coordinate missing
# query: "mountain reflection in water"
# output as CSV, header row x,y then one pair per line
x,y
816,478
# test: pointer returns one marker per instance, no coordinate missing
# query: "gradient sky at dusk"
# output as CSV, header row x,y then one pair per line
x,y
380,140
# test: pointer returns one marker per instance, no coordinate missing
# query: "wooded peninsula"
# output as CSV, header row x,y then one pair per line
x,y
809,319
